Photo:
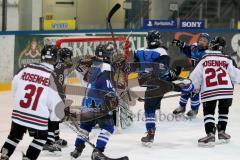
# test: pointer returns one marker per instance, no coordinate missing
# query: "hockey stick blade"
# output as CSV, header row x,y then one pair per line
x,y
140,99
113,10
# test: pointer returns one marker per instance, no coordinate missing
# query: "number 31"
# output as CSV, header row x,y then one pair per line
x,y
32,90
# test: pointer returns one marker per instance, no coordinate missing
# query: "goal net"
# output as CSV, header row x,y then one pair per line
x,y
84,47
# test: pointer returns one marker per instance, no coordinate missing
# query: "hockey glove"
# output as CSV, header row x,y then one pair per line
x,y
183,85
174,73
144,78
179,43
111,101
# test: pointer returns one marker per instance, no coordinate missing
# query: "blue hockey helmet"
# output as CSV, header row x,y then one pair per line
x,y
205,35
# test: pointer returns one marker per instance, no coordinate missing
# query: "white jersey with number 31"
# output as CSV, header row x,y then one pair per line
x,y
35,96
214,76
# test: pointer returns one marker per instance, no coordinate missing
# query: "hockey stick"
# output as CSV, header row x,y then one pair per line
x,y
110,14
76,129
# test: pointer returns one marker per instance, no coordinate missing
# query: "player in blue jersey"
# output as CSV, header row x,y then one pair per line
x,y
153,65
194,52
99,101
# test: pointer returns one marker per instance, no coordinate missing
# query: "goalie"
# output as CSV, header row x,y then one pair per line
x,y
99,101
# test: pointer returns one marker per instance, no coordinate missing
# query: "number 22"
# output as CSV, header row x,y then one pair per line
x,y
212,74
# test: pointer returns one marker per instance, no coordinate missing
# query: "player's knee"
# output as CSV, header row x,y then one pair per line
x,y
38,134
16,135
86,126
108,128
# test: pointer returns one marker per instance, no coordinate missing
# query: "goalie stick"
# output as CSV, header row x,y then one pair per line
x,y
76,129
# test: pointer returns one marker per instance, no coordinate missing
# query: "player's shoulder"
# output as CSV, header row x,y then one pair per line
x,y
161,50
103,66
41,67
139,50
106,67
59,66
194,46
209,54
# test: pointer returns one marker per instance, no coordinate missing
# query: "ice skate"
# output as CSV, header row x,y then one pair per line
x,y
97,155
179,111
149,138
77,151
4,154
52,147
192,113
61,142
208,141
223,137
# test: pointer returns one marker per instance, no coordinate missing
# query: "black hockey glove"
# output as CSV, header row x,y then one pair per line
x,y
144,78
174,73
111,101
179,43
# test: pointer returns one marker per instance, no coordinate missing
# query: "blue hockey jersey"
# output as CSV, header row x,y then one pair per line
x,y
194,52
100,83
154,61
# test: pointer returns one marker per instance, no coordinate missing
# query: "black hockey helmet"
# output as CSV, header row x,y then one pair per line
x,y
154,39
65,56
217,43
49,52
104,52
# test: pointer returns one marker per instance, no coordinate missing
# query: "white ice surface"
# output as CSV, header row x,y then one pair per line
x,y
174,140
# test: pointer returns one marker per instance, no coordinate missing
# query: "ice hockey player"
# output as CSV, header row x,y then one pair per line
x,y
214,77
64,62
35,101
99,99
194,52
156,54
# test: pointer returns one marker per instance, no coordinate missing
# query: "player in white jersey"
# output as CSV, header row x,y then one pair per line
x,y
35,101
214,76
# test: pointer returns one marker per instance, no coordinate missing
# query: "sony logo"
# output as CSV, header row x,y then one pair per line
x,y
186,24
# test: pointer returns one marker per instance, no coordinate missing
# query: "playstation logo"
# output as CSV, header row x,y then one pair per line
x,y
149,24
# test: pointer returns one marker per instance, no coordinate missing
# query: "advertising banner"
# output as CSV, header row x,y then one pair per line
x,y
192,24
156,24
28,48
59,24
